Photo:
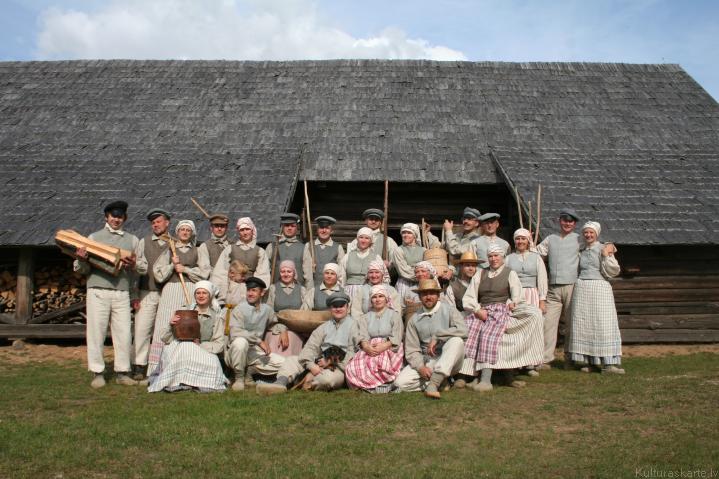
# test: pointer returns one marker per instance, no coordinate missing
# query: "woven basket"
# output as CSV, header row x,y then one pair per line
x,y
438,258
302,321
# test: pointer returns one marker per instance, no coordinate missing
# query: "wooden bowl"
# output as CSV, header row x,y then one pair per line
x,y
302,321
188,329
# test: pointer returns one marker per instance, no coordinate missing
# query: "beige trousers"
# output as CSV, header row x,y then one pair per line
x,y
448,364
144,323
559,302
108,306
327,380
241,356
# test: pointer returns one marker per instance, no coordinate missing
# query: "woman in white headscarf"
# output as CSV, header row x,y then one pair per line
x,y
406,256
376,274
194,263
410,299
194,364
316,297
354,265
594,338
285,293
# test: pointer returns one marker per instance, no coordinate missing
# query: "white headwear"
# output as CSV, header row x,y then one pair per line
x,y
593,225
365,231
189,223
246,222
428,266
332,267
495,248
412,228
523,232
210,288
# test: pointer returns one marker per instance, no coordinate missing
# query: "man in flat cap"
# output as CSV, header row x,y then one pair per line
x,y
290,247
326,251
561,251
244,250
108,298
217,241
489,222
324,356
149,249
373,218
248,352
456,244
433,343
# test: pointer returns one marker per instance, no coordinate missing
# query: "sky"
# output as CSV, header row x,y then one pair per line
x,y
637,31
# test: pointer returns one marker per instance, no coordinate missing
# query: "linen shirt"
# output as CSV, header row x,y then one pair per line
x,y
440,323
331,333
472,303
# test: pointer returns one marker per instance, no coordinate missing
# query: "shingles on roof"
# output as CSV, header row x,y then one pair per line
x,y
235,134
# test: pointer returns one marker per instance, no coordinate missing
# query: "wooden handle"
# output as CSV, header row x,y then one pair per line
x,y
309,229
202,210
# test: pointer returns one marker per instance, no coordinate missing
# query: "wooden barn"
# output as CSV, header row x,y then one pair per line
x,y
635,147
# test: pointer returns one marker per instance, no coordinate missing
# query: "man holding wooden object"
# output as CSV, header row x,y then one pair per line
x,y
109,298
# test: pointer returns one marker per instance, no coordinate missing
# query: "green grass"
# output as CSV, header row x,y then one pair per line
x,y
661,415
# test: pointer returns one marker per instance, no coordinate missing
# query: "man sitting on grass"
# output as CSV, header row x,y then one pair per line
x,y
324,356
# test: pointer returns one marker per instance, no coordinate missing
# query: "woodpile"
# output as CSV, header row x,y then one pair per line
x,y
8,281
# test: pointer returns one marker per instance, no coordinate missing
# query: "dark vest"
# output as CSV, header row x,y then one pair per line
x,y
494,290
293,252
188,259
325,255
215,250
248,257
153,250
287,301
320,298
458,289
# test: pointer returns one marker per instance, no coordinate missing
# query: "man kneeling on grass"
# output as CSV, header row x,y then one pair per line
x,y
321,364
248,352
433,343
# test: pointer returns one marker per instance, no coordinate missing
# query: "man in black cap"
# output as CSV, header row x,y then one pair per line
x,y
248,352
326,250
108,298
561,251
218,241
325,354
149,249
373,219
290,248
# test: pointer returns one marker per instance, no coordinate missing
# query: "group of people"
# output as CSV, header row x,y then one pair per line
x,y
489,309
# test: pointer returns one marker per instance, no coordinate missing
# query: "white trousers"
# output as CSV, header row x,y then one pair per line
x,y
144,322
108,306
241,356
327,380
559,302
447,364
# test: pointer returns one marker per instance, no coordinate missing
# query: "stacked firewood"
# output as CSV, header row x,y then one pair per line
x,y
7,291
56,287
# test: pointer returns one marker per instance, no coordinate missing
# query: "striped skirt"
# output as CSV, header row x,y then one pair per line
x,y
186,365
172,298
531,296
483,337
368,372
594,335
522,343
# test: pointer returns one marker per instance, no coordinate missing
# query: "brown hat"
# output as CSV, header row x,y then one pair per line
x,y
219,218
426,285
468,257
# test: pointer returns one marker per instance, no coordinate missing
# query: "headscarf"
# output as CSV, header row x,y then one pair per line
x,y
288,263
428,266
365,231
246,222
189,223
378,265
593,225
210,288
384,291
332,267
495,248
412,228
526,234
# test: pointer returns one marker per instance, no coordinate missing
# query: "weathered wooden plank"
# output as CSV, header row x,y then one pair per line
x,y
42,331
666,295
668,308
662,321
44,318
25,285
7,318
667,282
669,336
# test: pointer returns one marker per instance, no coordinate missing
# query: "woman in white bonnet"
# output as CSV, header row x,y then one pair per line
x,y
354,265
594,338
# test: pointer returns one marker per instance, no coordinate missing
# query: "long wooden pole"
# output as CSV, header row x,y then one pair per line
x,y
539,213
309,228
529,226
385,251
171,241
202,210
519,208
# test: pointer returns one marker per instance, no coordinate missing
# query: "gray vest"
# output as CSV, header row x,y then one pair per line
x,y
338,335
427,326
215,249
325,255
380,326
357,267
255,320
563,258
589,261
287,301
99,278
249,257
153,250
413,254
293,252
378,244
188,259
494,290
458,288
320,298
526,270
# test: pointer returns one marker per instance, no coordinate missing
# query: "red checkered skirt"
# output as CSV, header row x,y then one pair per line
x,y
483,337
367,372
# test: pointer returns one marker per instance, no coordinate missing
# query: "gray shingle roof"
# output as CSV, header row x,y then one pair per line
x,y
76,134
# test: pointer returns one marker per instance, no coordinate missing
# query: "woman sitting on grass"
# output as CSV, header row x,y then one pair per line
x,y
379,359
193,364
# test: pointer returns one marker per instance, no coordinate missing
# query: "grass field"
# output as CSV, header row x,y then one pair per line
x,y
661,418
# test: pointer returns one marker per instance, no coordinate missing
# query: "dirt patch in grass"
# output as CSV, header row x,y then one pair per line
x,y
659,350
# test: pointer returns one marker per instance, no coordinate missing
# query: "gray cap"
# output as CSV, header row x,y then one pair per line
x,y
155,212
339,298
324,221
470,212
489,217
289,219
372,212
569,212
